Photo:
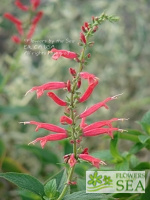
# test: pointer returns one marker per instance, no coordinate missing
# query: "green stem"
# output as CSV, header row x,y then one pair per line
x,y
73,128
128,136
72,113
66,186
12,68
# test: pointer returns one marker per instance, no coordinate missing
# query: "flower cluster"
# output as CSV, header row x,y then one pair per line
x,y
24,31
76,128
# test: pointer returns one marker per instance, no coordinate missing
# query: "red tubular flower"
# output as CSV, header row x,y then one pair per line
x,y
35,4
21,6
20,29
37,18
89,91
100,124
95,107
16,39
65,120
83,124
72,161
13,19
31,31
99,131
85,151
47,86
58,53
57,100
86,75
51,137
95,161
82,38
49,127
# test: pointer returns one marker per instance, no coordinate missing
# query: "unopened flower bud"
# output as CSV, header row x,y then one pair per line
x,y
89,55
68,86
72,72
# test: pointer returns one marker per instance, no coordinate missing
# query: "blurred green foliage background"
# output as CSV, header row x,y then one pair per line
x,y
120,58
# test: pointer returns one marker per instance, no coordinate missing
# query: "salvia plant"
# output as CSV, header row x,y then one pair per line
x,y
74,126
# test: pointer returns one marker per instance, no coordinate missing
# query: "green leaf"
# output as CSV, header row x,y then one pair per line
x,y
142,166
2,152
81,184
134,132
133,161
50,189
45,155
81,169
61,179
10,165
136,148
114,149
18,110
27,195
145,127
146,195
145,122
122,166
146,118
143,138
82,195
25,182
103,155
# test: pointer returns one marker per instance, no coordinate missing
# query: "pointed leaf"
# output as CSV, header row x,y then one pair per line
x,y
11,165
82,195
142,166
114,149
143,138
51,189
122,166
2,152
145,122
60,178
45,155
136,148
24,181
